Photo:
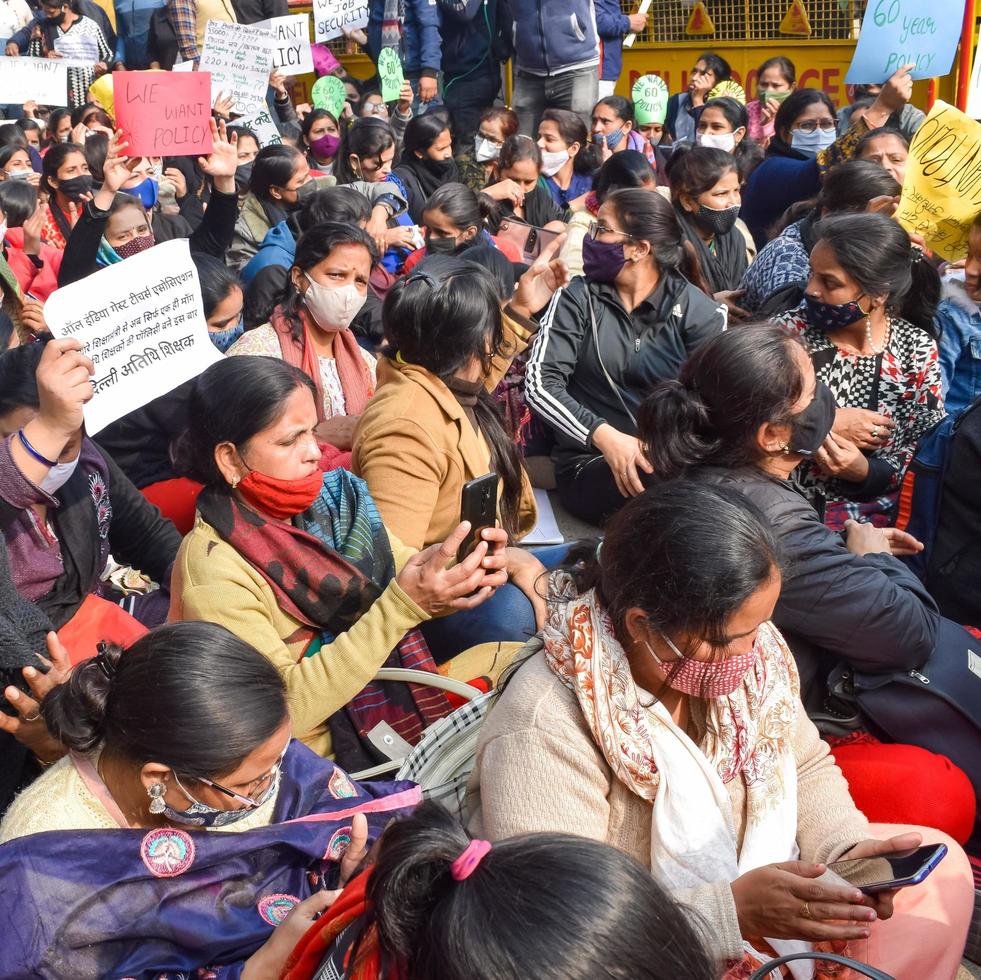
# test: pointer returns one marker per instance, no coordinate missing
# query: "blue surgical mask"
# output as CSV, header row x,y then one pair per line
x,y
223,339
202,815
812,143
612,140
146,191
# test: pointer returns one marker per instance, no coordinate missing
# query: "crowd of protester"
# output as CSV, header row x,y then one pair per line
x,y
701,327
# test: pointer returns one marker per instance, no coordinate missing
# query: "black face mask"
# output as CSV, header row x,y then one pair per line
x,y
76,188
441,246
56,20
439,168
243,174
810,428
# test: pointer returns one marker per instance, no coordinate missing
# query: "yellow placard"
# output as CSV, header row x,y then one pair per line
x,y
942,189
795,20
699,22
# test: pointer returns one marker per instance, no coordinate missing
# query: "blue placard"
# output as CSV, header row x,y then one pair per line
x,y
923,33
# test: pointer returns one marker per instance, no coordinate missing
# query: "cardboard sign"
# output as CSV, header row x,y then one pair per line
x,y
942,189
329,93
239,57
333,17
728,90
291,48
43,79
163,114
650,97
184,66
390,75
263,126
922,33
142,323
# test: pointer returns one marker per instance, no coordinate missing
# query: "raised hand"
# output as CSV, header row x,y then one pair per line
x,y
220,164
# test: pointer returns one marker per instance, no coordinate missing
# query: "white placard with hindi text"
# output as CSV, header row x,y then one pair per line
x,y
142,323
45,80
332,18
239,57
263,126
291,47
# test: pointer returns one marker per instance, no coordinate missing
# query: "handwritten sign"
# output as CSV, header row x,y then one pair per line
x,y
333,17
329,93
263,126
43,79
79,47
390,75
942,189
650,97
142,323
239,57
163,114
922,33
291,50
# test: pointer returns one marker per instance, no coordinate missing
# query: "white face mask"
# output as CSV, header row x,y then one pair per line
x,y
333,307
552,163
812,144
717,141
59,475
485,150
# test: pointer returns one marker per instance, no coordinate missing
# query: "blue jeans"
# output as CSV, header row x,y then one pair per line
x,y
421,108
506,617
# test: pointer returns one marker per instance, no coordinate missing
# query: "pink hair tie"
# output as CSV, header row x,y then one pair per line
x,y
463,867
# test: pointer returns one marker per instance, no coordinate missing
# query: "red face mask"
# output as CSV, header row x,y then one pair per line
x,y
280,499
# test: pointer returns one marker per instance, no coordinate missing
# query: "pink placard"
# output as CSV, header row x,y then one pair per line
x,y
164,113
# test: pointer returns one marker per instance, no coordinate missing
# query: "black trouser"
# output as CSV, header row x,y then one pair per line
x,y
587,488
466,97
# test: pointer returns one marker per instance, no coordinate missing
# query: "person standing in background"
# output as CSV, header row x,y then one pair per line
x,y
411,29
612,25
556,57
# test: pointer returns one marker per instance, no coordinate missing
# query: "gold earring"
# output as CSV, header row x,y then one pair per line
x,y
234,482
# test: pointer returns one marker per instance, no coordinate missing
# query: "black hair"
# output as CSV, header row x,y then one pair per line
x,y
873,134
342,205
7,331
518,148
508,117
242,132
26,125
313,246
852,185
217,280
785,65
122,201
56,155
96,149
91,109
232,401
442,316
795,103
503,921
496,263
650,218
629,169
716,64
693,170
191,696
12,135
18,375
8,150
54,121
573,130
461,205
312,117
876,252
273,166
366,138
730,386
18,201
422,131
747,151
622,107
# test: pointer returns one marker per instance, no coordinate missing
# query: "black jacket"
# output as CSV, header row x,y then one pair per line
x,y
252,11
565,382
954,568
870,610
475,36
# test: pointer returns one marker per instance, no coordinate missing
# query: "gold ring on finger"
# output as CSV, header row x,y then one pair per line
x,y
805,911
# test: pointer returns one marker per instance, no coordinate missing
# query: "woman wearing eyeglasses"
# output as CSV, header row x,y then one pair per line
x,y
805,146
606,338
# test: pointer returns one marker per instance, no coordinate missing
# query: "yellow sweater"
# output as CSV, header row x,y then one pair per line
x,y
213,583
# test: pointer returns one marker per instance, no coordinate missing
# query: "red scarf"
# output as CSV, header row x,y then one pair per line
x,y
356,380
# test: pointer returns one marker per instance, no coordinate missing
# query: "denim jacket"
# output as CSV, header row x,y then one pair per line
x,y
959,319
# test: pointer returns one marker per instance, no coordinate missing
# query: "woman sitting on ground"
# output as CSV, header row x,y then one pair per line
x,y
888,148
520,162
568,161
141,800
867,320
298,562
723,125
663,691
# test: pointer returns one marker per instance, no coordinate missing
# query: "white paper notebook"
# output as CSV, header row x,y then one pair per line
x,y
546,531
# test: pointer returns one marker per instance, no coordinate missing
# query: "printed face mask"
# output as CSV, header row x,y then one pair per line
x,y
485,150
717,220
333,307
833,316
810,428
135,245
59,475
223,339
602,261
812,143
612,140
717,141
554,161
704,678
202,815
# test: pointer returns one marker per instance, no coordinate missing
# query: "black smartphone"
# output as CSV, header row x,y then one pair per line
x,y
478,504
896,870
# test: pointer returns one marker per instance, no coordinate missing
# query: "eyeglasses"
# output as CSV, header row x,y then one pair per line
x,y
597,228
375,108
810,125
258,789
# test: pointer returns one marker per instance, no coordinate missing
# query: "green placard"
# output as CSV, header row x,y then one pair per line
x,y
650,96
328,93
390,75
